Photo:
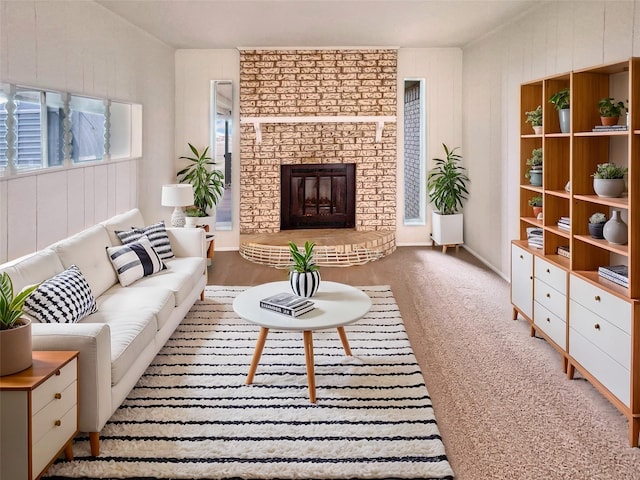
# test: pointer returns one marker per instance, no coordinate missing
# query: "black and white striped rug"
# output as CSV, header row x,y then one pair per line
x,y
191,416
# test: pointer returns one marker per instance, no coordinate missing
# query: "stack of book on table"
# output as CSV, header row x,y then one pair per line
x,y
534,237
287,304
616,273
564,223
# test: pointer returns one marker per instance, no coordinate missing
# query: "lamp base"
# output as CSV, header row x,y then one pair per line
x,y
177,218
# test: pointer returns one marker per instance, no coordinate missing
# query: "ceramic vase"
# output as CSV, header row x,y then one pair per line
x,y
564,116
304,284
615,230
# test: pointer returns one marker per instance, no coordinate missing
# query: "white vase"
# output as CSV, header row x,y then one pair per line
x,y
304,284
615,230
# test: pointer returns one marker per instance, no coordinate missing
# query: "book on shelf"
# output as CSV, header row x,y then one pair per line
x,y
534,237
563,251
287,304
611,278
619,272
611,128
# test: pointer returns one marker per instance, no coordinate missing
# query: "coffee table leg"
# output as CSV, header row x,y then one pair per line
x,y
257,353
308,353
345,342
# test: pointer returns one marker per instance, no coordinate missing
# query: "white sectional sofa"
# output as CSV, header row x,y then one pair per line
x,y
118,342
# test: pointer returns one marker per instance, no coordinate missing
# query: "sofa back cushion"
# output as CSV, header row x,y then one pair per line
x,y
33,268
124,221
88,250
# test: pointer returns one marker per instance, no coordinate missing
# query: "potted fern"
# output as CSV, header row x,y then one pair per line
x,y
304,276
15,328
447,187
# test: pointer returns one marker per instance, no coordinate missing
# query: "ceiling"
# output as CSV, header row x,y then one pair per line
x,y
315,23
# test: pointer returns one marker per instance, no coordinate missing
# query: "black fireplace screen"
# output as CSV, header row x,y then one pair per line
x,y
317,196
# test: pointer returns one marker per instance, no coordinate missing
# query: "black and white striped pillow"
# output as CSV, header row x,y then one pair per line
x,y
157,235
135,260
65,298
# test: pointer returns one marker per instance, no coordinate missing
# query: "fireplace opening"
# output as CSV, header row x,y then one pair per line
x,y
317,196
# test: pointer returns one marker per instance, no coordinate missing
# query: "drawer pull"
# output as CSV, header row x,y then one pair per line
x,y
520,257
597,298
57,423
57,396
597,326
548,271
548,295
531,278
548,320
57,372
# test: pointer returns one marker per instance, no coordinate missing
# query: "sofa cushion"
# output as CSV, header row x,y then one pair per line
x,y
123,221
33,268
134,261
64,298
157,235
158,301
87,250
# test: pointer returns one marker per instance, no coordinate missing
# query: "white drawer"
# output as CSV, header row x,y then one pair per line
x,y
608,337
551,298
608,372
55,384
551,274
45,420
522,280
550,324
606,305
49,445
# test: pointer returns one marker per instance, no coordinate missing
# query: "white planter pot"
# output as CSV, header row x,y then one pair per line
x,y
447,229
191,222
608,187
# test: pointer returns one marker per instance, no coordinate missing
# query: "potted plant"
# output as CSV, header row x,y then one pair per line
x,y
534,172
534,117
304,276
596,224
208,186
192,216
536,203
561,100
15,328
608,180
610,111
447,187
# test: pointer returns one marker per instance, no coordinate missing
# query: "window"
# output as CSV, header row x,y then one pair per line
x,y
414,152
87,128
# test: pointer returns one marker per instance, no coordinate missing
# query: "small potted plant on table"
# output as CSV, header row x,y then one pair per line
x,y
608,180
534,117
304,276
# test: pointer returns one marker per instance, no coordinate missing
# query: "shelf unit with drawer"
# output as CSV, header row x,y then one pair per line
x,y
39,414
592,322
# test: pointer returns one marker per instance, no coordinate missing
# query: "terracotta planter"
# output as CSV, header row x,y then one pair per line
x,y
537,211
609,121
15,348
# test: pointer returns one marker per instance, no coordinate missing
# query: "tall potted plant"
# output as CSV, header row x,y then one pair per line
x,y
15,328
561,100
447,188
207,181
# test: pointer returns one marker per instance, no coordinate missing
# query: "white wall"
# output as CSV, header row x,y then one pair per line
x,y
554,37
79,47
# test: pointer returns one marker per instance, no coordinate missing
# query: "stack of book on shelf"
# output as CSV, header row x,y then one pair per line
x,y
287,304
534,237
564,223
610,128
563,251
616,273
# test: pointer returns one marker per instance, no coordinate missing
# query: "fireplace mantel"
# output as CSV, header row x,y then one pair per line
x,y
379,120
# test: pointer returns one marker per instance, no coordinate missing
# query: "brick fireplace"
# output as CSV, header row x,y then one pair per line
x,y
326,83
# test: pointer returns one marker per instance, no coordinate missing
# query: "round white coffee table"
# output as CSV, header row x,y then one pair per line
x,y
336,305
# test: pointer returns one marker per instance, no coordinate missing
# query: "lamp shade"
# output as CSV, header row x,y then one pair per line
x,y
177,195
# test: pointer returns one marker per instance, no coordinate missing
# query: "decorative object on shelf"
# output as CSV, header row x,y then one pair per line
x,y
596,224
177,195
15,328
192,216
567,187
608,181
447,188
610,111
304,276
536,203
615,230
534,172
561,100
534,117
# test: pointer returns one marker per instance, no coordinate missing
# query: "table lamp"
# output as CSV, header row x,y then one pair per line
x,y
177,195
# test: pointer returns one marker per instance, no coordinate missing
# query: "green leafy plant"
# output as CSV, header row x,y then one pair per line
x,y
609,171
447,183
561,99
534,117
534,162
194,212
597,218
535,201
608,107
302,262
10,305
207,182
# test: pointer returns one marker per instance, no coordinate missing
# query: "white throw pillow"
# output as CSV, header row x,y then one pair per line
x,y
157,235
135,260
64,298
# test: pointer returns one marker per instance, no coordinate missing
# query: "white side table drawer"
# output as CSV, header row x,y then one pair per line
x,y
602,303
54,385
551,298
550,274
550,324
49,418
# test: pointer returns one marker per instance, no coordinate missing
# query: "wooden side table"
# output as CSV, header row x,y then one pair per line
x,y
38,414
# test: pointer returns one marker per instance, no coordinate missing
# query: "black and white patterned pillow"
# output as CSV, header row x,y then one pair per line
x,y
157,235
135,260
65,298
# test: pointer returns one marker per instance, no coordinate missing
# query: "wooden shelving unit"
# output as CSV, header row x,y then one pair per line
x,y
591,302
